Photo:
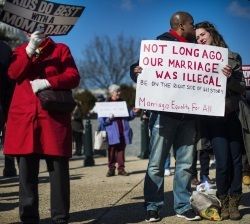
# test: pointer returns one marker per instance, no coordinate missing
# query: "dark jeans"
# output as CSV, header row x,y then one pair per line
x,y
226,138
58,168
204,156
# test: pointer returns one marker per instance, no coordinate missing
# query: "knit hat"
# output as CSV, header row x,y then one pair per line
x,y
113,88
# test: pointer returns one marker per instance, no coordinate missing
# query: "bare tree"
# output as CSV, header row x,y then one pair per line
x,y
108,61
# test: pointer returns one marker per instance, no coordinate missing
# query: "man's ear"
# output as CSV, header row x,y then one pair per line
x,y
181,26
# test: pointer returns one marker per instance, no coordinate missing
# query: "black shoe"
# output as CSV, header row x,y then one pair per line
x,y
189,215
110,173
77,153
152,216
205,178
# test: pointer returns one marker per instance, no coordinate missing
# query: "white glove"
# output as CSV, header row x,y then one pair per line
x,y
39,84
35,39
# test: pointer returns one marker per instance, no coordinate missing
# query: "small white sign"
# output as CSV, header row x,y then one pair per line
x,y
182,78
246,72
107,109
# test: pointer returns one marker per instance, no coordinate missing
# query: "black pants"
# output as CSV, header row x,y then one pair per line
x,y
58,168
204,155
78,139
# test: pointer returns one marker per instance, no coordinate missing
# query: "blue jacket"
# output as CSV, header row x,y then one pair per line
x,y
112,130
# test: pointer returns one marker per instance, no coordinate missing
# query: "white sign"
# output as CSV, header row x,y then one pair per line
x,y
246,72
107,109
182,78
55,19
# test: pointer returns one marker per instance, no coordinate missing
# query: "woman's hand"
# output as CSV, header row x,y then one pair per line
x,y
136,110
111,117
227,71
39,84
137,70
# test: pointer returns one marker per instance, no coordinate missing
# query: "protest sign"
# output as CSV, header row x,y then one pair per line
x,y
29,15
107,109
182,78
246,72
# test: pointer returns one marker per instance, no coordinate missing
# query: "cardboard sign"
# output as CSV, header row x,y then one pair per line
x,y
29,15
182,78
246,72
107,109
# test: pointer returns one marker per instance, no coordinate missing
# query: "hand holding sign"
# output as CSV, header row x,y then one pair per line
x,y
227,71
35,39
138,70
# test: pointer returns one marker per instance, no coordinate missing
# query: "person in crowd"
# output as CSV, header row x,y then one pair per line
x,y
100,126
245,160
225,132
204,149
245,170
212,162
119,134
145,134
6,86
38,134
170,129
77,128
6,91
167,171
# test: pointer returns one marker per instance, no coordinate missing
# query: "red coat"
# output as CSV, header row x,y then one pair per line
x,y
30,129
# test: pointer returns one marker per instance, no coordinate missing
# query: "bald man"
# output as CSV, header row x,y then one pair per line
x,y
170,129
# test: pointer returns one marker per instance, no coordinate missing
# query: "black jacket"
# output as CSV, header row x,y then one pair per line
x,y
6,85
236,86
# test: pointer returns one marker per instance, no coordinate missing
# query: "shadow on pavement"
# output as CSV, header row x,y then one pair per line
x,y
137,172
8,199
119,214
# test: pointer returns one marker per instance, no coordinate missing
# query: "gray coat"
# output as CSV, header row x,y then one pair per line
x,y
76,120
235,84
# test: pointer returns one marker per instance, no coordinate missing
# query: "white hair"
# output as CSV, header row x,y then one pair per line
x,y
113,88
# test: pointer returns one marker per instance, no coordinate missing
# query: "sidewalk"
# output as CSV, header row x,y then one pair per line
x,y
98,199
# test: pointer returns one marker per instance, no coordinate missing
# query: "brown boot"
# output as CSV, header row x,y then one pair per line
x,y
123,173
224,213
110,173
234,207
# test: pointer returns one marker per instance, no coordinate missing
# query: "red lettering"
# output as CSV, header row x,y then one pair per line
x,y
215,67
152,61
155,48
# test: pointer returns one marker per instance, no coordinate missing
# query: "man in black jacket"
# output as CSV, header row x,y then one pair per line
x,y
6,90
170,129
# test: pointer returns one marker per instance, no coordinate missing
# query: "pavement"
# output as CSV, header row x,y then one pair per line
x,y
98,199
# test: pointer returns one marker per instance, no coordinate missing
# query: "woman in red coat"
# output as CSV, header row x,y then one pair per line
x,y
33,133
